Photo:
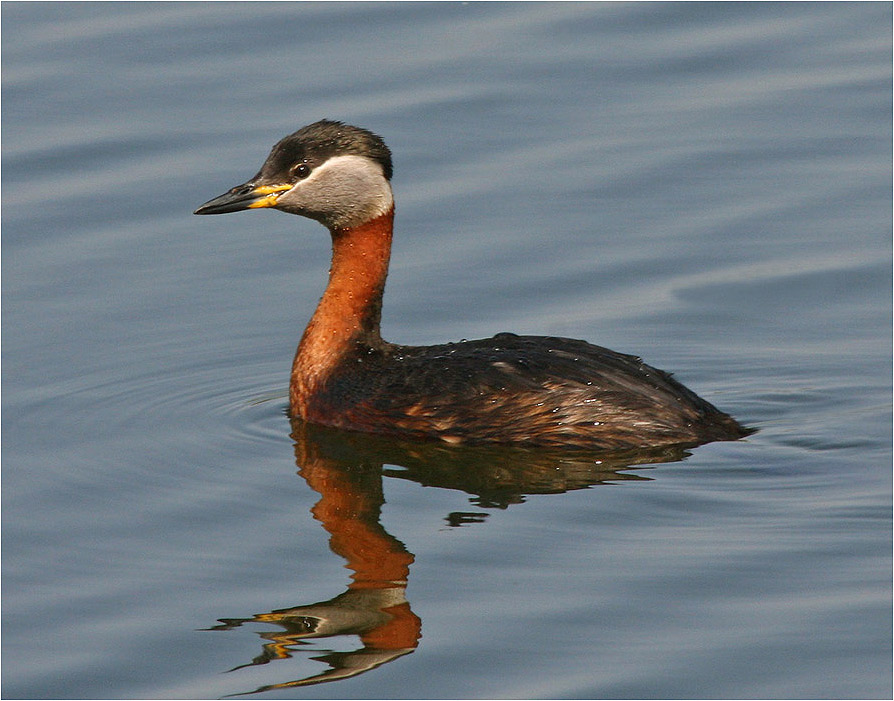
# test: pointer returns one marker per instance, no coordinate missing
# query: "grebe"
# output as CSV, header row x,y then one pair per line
x,y
522,390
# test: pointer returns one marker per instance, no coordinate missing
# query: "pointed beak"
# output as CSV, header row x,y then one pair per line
x,y
247,196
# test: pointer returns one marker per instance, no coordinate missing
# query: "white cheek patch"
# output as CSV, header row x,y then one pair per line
x,y
344,191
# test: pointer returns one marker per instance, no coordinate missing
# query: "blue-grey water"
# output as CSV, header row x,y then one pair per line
x,y
705,185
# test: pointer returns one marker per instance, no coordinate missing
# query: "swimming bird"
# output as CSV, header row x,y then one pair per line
x,y
509,389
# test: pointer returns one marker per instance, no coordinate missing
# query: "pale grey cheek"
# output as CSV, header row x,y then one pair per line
x,y
322,208
293,202
340,197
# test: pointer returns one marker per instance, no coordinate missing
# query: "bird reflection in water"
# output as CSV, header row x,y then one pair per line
x,y
346,469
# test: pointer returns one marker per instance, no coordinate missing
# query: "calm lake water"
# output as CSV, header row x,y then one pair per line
x,y
708,186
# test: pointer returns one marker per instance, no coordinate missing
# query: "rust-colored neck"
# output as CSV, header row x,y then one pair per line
x,y
350,310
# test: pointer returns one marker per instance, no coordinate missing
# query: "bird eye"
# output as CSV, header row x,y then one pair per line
x,y
301,171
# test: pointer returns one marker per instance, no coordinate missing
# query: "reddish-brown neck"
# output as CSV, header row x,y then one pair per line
x,y
350,310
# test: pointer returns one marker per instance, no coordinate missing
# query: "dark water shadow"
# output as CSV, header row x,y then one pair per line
x,y
346,469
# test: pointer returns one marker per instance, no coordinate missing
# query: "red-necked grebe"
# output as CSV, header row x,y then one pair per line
x,y
522,390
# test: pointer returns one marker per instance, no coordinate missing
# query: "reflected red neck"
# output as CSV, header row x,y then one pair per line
x,y
350,310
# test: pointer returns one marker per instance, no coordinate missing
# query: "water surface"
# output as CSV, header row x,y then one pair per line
x,y
708,186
